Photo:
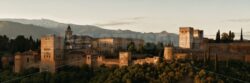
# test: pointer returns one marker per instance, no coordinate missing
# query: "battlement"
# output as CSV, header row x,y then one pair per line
x,y
51,52
183,29
198,33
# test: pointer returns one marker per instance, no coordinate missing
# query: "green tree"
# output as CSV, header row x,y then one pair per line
x,y
150,48
131,47
159,49
231,36
217,39
241,35
225,37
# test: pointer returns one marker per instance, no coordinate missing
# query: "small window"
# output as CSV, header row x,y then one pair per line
x,y
28,60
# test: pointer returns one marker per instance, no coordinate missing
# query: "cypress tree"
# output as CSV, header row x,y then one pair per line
x,y
218,36
241,35
230,36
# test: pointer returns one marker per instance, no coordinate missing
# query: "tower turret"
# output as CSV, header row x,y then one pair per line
x,y
168,53
68,38
68,33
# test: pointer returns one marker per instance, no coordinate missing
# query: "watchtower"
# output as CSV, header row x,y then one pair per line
x,y
186,37
51,53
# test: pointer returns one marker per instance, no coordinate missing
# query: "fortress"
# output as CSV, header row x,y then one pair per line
x,y
75,50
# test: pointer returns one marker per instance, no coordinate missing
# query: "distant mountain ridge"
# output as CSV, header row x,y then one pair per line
x,y
13,29
46,26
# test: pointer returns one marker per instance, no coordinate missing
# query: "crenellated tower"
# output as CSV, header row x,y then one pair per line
x,y
51,53
186,37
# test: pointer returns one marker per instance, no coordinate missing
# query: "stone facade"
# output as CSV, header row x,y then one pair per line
x,y
76,50
125,58
192,45
25,60
168,53
198,39
98,60
106,45
6,60
51,53
148,60
190,38
186,37
181,56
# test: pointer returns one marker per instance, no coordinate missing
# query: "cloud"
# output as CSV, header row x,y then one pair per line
x,y
118,22
136,18
114,23
239,20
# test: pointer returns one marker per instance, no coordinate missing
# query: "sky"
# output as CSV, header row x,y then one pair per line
x,y
137,15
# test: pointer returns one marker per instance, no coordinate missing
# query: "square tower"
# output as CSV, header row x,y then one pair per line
x,y
51,53
124,58
198,38
168,53
186,37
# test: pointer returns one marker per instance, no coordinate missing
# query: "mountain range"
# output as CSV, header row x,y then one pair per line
x,y
38,27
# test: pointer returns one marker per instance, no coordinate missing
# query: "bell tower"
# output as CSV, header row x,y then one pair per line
x,y
68,38
68,33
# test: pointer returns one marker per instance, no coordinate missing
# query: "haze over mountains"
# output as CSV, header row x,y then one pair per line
x,y
39,27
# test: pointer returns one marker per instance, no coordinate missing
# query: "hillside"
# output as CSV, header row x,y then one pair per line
x,y
12,29
94,31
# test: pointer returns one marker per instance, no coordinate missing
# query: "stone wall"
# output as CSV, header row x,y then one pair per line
x,y
26,60
6,60
148,60
181,56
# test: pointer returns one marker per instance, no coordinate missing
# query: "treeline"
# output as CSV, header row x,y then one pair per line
x,y
19,44
174,72
148,48
226,37
231,71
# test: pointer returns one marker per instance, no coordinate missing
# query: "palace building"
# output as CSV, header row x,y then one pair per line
x,y
77,50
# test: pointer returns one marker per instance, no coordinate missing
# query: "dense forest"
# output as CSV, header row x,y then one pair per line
x,y
147,73
163,72
18,44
